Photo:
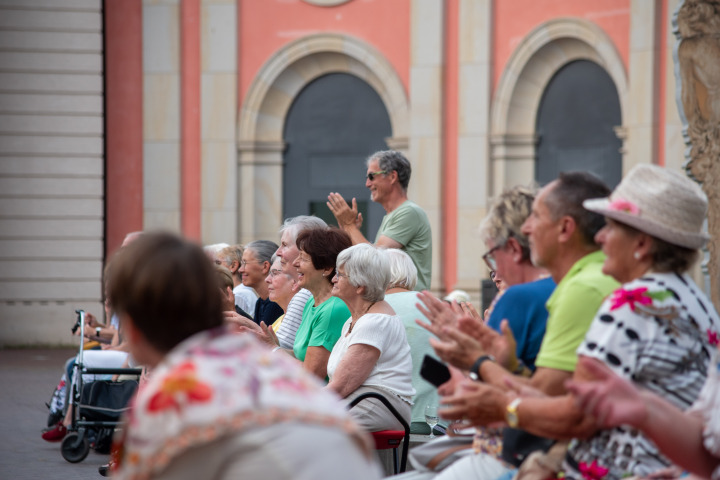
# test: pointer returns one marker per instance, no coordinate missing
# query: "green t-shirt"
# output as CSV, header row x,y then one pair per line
x,y
409,226
321,326
571,309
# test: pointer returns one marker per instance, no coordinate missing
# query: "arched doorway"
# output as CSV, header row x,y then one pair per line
x,y
575,124
333,124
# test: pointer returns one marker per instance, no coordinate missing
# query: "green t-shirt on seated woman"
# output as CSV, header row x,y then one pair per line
x,y
321,326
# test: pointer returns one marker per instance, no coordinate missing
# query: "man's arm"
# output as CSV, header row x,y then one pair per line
x,y
387,242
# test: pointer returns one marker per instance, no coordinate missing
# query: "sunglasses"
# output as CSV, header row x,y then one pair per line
x,y
371,175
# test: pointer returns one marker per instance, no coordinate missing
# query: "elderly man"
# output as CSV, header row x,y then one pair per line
x,y
405,226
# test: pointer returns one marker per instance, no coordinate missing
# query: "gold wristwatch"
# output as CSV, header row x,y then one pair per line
x,y
511,415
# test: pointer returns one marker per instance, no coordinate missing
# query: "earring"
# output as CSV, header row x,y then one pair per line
x,y
636,255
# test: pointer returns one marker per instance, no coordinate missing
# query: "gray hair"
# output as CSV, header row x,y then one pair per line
x,y
262,249
295,225
366,266
392,160
507,214
403,272
230,254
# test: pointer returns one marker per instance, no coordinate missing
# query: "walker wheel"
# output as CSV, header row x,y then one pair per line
x,y
74,449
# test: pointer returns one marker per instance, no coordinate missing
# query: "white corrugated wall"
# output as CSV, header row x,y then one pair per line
x,y
51,167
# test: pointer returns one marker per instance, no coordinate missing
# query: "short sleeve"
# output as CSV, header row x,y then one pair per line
x,y
327,327
566,327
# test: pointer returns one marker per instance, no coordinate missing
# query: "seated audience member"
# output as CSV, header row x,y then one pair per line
x,y
520,311
324,314
372,354
225,282
217,405
402,298
288,252
254,267
655,330
280,286
245,297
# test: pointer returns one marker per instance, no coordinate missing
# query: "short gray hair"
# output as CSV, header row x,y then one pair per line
x,y
262,249
298,224
403,272
366,266
392,160
505,219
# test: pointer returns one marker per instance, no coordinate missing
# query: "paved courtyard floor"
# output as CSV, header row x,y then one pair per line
x,y
27,378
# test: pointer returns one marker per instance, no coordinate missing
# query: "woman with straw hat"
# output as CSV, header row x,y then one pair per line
x,y
657,330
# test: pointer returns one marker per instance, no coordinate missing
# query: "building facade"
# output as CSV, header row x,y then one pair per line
x,y
218,118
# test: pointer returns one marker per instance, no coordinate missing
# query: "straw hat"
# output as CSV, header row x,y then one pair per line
x,y
659,202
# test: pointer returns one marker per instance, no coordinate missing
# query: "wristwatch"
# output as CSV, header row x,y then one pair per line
x,y
97,331
511,415
475,369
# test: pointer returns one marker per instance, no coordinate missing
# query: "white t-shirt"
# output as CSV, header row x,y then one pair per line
x,y
245,298
393,370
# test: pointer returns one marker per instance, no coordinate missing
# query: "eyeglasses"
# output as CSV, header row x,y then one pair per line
x,y
490,259
274,272
338,274
244,262
371,175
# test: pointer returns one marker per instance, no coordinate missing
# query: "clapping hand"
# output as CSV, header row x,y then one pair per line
x,y
345,215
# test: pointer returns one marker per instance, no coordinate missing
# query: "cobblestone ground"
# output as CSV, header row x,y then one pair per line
x,y
27,378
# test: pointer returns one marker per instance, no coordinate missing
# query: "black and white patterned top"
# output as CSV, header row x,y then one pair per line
x,y
659,331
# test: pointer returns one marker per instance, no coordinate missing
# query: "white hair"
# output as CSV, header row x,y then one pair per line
x,y
295,225
366,266
403,272
215,247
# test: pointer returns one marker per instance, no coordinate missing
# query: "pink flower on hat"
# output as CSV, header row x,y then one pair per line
x,y
622,205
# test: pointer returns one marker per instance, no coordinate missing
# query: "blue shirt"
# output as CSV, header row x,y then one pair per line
x,y
523,306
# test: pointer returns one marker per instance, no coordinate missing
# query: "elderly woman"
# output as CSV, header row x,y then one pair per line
x,y
217,405
656,330
254,268
402,298
280,288
372,354
324,314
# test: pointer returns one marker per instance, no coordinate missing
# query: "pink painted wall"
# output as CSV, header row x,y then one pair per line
x,y
514,20
264,26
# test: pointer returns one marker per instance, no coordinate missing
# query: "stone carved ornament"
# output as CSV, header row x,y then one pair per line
x,y
697,69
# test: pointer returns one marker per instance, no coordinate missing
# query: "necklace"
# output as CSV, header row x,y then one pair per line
x,y
352,324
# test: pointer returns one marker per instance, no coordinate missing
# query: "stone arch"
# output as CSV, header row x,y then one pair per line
x,y
528,71
262,117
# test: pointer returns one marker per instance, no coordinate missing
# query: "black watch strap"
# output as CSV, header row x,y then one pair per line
x,y
478,363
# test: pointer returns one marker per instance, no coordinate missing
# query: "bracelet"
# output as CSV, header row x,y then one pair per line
x,y
475,369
